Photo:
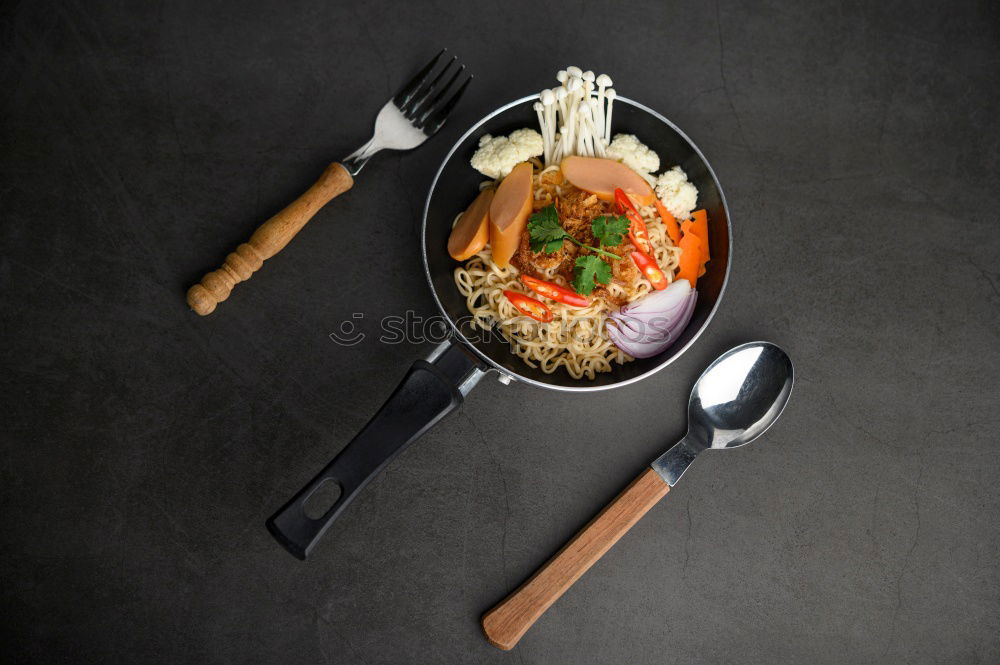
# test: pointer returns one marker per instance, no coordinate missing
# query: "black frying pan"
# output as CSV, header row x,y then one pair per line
x,y
435,386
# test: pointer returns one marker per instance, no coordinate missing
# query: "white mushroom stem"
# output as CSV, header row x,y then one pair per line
x,y
586,129
603,83
572,104
596,134
548,124
597,140
585,103
541,124
581,130
544,124
550,156
610,94
561,100
560,150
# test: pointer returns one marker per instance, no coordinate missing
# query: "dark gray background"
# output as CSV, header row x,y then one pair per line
x,y
143,447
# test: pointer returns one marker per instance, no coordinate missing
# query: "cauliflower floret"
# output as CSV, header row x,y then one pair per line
x,y
678,195
497,155
635,154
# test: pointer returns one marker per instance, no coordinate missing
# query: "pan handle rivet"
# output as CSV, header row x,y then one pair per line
x,y
503,378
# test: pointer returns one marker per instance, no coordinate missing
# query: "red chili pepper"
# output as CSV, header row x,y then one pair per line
x,y
554,291
650,270
637,232
529,306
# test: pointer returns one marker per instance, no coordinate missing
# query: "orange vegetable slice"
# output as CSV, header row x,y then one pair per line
x,y
471,232
603,176
669,221
699,227
690,261
509,213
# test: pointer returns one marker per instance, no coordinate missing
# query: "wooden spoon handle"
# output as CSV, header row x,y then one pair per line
x,y
269,239
506,623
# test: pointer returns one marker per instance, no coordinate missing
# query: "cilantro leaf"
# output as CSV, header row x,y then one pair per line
x,y
609,231
588,269
545,232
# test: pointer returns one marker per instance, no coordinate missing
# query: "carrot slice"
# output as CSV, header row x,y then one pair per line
x,y
690,228
700,229
690,261
669,221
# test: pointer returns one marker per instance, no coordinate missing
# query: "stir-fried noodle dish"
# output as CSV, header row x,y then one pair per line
x,y
574,250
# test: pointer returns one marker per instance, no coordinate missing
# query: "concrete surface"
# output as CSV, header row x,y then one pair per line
x,y
144,447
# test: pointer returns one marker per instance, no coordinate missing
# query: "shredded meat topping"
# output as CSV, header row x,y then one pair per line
x,y
577,209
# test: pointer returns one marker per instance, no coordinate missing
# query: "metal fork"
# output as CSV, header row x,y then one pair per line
x,y
412,116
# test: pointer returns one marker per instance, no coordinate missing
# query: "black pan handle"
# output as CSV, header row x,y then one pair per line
x,y
431,389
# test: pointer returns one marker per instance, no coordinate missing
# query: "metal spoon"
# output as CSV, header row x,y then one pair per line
x,y
733,402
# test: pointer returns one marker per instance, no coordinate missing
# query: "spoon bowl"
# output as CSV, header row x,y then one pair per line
x,y
740,395
733,402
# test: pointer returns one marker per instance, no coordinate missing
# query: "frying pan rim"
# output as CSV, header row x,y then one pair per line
x,y
493,365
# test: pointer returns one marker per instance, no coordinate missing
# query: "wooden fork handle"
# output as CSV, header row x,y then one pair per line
x,y
269,239
506,623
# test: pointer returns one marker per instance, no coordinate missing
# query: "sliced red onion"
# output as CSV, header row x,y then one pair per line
x,y
648,326
660,302
635,349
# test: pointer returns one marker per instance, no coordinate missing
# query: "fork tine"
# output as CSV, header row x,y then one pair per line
x,y
429,108
425,91
407,92
438,118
